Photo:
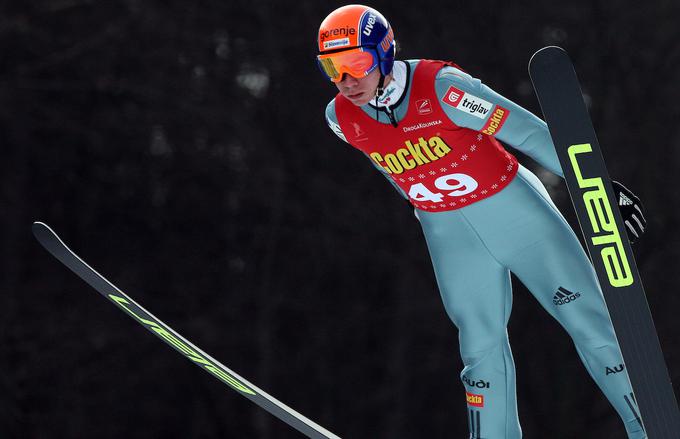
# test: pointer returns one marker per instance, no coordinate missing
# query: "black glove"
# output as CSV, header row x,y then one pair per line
x,y
631,210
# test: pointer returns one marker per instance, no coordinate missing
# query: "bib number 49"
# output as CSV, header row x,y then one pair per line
x,y
458,184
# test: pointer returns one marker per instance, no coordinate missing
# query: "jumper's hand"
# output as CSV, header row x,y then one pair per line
x,y
631,210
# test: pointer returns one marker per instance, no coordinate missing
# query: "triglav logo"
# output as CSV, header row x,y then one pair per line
x,y
478,108
453,96
468,103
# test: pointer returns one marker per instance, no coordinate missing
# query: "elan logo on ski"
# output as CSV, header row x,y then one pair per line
x,y
602,220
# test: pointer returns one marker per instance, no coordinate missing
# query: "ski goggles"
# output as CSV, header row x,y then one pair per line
x,y
357,62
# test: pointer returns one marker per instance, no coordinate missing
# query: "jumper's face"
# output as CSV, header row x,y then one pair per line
x,y
359,91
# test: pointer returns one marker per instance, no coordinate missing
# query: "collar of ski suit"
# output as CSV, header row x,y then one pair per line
x,y
395,89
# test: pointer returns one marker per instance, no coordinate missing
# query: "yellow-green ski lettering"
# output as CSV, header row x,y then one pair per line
x,y
194,356
601,219
121,301
179,344
228,379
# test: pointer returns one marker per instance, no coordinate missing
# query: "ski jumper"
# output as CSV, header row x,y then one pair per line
x,y
484,216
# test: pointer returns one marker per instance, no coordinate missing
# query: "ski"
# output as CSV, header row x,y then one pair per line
x,y
53,244
559,94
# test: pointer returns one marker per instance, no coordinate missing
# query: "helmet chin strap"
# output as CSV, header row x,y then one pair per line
x,y
379,92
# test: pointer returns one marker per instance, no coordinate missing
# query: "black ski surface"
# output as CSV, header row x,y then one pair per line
x,y
587,179
48,239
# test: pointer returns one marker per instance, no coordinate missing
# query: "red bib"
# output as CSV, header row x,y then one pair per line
x,y
440,165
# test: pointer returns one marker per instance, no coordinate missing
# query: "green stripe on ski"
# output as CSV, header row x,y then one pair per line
x,y
182,347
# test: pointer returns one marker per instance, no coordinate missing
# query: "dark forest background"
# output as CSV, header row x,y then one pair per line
x,y
180,148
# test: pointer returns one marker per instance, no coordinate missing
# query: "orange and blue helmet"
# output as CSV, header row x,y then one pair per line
x,y
355,39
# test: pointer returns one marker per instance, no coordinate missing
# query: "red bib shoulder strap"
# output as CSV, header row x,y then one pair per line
x,y
425,74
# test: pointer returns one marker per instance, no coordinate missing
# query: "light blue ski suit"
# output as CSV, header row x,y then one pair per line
x,y
518,230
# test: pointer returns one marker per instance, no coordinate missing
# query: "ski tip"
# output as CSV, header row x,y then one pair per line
x,y
549,50
39,228
547,55
39,225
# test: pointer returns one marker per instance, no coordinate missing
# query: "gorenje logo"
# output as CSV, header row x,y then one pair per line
x,y
602,222
369,25
564,296
615,369
342,31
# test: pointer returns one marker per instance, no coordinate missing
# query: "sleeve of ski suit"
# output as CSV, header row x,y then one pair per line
x,y
521,130
332,121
